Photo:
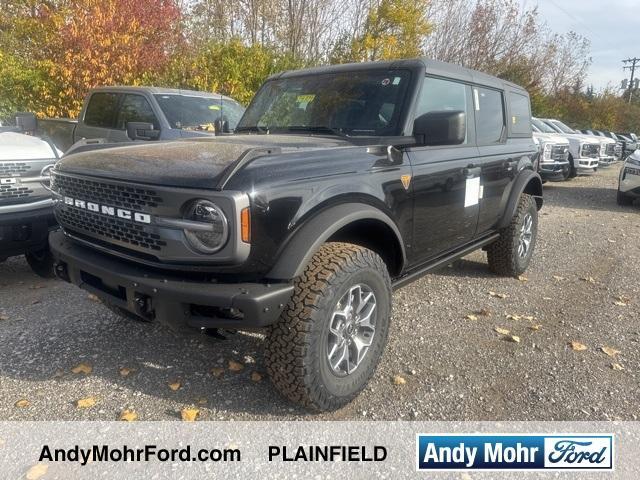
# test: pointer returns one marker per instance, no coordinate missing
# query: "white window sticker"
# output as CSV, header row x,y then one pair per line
x,y
472,192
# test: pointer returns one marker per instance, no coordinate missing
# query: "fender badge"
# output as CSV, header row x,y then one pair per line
x,y
406,181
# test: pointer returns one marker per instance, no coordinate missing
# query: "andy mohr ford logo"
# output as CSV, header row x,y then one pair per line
x,y
107,210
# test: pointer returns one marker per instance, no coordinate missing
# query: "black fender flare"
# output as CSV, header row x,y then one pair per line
x,y
527,181
296,254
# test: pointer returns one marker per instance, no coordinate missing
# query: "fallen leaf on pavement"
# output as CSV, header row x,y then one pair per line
x,y
37,471
23,403
620,304
126,371
502,331
217,371
558,278
86,402
235,366
535,328
498,295
471,317
93,298
577,346
612,352
513,338
189,414
256,377
522,278
398,380
82,368
513,317
588,279
175,385
3,317
617,366
128,416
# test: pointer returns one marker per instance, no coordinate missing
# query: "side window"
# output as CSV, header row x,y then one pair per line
x,y
520,114
489,109
101,110
135,108
442,95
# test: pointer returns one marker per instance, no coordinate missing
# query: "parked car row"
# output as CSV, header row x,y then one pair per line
x,y
565,152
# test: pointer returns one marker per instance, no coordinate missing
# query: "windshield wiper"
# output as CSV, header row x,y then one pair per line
x,y
252,128
317,129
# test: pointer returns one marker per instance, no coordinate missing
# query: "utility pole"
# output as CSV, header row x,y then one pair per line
x,y
633,62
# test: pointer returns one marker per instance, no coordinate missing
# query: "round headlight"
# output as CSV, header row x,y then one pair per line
x,y
214,231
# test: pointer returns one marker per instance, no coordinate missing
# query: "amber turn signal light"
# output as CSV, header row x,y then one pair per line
x,y
245,223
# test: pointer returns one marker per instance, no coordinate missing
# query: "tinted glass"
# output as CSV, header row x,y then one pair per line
x,y
135,108
354,103
101,110
543,127
563,128
442,95
520,114
198,113
489,116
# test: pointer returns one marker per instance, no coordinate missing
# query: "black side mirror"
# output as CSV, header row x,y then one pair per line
x,y
142,131
26,122
440,128
222,125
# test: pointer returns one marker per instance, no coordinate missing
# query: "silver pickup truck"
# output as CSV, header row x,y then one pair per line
x,y
122,114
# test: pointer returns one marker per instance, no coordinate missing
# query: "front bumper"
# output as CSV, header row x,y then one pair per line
x,y
587,165
606,161
168,297
630,181
25,231
554,170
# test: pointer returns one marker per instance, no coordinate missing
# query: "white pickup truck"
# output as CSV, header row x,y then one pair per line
x,y
26,206
606,154
554,152
584,150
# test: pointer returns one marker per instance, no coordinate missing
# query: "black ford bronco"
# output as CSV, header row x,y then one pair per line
x,y
340,184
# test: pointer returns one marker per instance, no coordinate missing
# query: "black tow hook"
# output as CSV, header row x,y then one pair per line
x,y
60,269
142,306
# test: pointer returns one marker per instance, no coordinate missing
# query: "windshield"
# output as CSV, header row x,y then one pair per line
x,y
564,128
543,127
352,103
192,112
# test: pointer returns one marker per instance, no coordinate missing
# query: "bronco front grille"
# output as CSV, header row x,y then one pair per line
x,y
13,168
113,228
128,197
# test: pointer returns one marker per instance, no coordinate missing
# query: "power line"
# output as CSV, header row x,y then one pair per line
x,y
633,62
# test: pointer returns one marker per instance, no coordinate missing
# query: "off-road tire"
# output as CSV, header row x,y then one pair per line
x,y
624,200
296,345
573,170
41,263
503,254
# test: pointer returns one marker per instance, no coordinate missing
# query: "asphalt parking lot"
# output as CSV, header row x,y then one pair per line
x,y
583,287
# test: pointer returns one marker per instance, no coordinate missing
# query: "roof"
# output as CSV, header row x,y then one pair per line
x,y
162,91
432,67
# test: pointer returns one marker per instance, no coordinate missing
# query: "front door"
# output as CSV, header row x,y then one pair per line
x,y
445,178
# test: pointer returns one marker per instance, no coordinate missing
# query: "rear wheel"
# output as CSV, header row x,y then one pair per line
x,y
329,340
41,262
573,170
624,200
511,253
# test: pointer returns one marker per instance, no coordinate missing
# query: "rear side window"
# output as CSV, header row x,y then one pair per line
x,y
489,109
101,110
135,108
520,114
442,95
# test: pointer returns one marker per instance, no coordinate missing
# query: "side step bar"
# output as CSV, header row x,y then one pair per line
x,y
439,262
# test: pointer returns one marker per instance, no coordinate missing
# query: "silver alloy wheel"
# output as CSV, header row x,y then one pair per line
x,y
351,329
526,235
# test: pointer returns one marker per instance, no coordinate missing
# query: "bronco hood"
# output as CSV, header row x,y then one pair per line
x,y
192,163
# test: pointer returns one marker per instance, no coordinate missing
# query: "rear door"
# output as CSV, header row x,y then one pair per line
x,y
497,161
444,219
99,116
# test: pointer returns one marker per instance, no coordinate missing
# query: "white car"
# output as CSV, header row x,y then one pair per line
x,y
629,181
606,154
554,152
584,150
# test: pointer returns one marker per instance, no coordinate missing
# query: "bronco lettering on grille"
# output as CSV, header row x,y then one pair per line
x,y
108,210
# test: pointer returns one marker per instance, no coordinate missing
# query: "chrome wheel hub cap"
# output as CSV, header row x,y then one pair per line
x,y
526,235
351,329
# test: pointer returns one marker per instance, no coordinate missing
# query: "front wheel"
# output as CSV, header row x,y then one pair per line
x,y
511,253
329,340
41,262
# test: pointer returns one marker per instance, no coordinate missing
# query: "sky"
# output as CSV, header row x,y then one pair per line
x,y
611,26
